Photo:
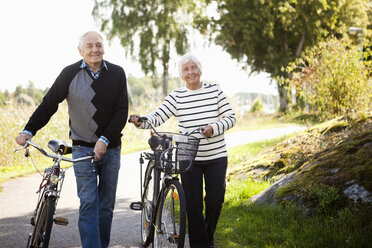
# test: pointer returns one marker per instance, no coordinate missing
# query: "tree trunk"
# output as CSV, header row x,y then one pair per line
x,y
165,77
283,96
155,85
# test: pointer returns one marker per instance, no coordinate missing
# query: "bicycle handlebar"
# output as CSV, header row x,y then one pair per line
x,y
59,157
145,119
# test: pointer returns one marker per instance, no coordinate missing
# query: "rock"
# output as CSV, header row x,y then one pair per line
x,y
355,192
267,196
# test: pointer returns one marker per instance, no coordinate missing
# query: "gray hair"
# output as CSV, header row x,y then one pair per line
x,y
81,39
187,58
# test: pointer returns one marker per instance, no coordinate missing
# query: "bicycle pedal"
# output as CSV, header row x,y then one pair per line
x,y
61,221
32,221
136,206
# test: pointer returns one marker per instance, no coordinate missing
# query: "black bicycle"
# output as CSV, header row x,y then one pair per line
x,y
49,192
163,203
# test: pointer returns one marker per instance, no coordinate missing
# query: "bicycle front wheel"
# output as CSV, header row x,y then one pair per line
x,y
170,225
43,225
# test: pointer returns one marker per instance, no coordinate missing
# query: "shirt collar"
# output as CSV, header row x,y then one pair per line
x,y
85,64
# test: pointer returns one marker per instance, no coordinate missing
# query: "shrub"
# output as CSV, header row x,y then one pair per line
x,y
257,106
332,80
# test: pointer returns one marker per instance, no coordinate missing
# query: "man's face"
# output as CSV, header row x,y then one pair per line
x,y
92,50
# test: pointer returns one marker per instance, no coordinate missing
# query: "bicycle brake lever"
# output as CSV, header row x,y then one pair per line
x,y
21,148
91,154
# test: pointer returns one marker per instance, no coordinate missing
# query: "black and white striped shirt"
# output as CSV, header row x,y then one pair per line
x,y
198,108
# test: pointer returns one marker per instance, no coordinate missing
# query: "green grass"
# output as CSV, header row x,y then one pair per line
x,y
244,224
241,153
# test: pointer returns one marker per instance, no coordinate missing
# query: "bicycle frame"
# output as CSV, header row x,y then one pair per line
x,y
51,184
49,191
162,172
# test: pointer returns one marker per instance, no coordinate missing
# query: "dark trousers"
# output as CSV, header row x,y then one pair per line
x,y
201,229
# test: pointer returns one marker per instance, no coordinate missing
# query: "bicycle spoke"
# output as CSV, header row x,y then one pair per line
x,y
169,231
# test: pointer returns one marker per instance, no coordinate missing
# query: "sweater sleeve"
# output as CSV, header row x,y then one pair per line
x,y
227,117
56,94
120,116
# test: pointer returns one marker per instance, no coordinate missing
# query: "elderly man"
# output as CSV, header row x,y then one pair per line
x,y
96,95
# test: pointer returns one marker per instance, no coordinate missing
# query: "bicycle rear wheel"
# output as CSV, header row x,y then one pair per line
x,y
147,229
170,225
43,225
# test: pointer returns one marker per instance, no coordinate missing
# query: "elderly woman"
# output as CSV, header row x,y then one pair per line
x,y
199,105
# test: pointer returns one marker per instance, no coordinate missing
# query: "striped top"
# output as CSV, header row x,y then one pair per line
x,y
198,108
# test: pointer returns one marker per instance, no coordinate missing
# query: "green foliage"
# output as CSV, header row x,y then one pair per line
x,y
4,97
269,34
161,27
325,196
30,95
257,106
243,224
24,99
240,154
332,80
140,89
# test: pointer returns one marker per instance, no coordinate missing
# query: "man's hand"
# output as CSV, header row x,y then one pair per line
x,y
99,150
21,139
208,131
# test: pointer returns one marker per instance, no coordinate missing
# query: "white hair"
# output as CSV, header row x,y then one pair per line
x,y
187,58
81,39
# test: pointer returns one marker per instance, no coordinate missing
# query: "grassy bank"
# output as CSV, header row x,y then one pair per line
x,y
332,220
243,224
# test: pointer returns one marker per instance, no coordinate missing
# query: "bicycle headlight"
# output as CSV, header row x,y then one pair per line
x,y
54,179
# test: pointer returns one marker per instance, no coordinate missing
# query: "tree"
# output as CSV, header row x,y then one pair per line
x,y
4,97
160,26
36,94
25,94
268,34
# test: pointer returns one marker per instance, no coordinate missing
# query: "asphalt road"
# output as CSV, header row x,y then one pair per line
x,y
18,199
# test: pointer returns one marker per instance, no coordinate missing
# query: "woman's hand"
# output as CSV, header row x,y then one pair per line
x,y
134,119
208,131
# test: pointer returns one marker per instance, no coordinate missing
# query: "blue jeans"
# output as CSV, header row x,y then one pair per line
x,y
96,188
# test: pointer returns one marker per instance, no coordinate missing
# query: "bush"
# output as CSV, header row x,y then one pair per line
x,y
332,80
257,106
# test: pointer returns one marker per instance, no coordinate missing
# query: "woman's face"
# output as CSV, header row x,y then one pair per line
x,y
191,74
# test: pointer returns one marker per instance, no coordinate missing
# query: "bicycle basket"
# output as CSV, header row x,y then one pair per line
x,y
181,154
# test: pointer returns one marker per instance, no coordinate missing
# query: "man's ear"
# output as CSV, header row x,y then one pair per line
x,y
79,49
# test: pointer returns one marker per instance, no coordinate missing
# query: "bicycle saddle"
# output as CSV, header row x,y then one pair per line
x,y
60,147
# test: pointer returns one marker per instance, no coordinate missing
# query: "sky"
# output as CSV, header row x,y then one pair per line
x,y
40,37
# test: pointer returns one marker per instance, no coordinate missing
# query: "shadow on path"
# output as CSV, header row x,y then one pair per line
x,y
14,231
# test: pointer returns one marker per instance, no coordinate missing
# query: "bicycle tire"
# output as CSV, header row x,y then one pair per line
x,y
147,212
170,224
43,225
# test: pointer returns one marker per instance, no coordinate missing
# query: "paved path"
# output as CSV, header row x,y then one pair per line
x,y
18,198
